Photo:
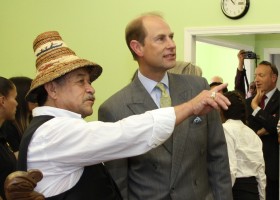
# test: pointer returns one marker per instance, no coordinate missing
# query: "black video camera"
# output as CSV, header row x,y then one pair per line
x,y
250,55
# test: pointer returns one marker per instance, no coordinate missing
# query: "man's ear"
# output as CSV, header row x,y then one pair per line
x,y
274,77
136,47
2,100
51,89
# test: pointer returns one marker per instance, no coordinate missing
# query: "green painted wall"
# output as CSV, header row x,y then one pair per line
x,y
95,31
217,61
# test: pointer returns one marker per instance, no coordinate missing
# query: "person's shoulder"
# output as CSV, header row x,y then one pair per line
x,y
9,127
277,92
186,77
189,80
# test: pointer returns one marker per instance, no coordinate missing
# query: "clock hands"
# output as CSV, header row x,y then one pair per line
x,y
232,2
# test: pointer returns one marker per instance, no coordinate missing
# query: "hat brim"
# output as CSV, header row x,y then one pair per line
x,y
59,70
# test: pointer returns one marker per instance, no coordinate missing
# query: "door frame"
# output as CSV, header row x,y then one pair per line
x,y
268,51
191,35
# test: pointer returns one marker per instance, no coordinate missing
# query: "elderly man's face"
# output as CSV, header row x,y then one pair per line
x,y
75,93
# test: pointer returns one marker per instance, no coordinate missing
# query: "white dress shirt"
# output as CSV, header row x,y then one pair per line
x,y
245,153
62,146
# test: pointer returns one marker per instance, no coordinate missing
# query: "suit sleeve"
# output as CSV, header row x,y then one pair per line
x,y
240,82
267,120
117,168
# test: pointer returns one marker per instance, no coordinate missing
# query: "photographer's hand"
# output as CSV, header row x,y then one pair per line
x,y
240,56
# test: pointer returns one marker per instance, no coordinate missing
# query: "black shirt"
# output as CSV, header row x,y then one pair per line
x,y
8,162
11,134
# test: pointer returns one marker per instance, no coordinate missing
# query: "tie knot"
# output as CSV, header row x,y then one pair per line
x,y
161,87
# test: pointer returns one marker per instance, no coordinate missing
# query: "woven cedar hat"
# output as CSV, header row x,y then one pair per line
x,y
55,59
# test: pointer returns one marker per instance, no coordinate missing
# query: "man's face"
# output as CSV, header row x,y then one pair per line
x,y
75,92
159,50
264,78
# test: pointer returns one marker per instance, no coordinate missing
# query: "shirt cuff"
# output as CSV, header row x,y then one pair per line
x,y
164,123
256,111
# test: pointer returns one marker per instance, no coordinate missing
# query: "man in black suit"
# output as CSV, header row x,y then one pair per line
x,y
263,120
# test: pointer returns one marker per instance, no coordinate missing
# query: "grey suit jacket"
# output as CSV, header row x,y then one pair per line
x,y
191,165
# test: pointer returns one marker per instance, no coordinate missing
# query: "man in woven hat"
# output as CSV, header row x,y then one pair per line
x,y
68,150
193,162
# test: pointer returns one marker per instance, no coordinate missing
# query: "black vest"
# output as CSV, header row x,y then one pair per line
x,y
94,184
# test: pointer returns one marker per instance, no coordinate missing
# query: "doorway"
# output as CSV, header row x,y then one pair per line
x,y
273,55
221,60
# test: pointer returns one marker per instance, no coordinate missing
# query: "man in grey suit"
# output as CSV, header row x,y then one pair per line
x,y
193,163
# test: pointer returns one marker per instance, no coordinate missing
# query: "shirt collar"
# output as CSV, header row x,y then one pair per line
x,y
270,93
150,84
52,111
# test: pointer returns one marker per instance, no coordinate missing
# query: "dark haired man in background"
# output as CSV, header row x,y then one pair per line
x,y
263,110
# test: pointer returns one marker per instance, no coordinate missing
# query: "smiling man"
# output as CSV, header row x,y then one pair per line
x,y
193,163
263,110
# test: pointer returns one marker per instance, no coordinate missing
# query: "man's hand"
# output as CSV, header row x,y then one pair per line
x,y
262,132
203,103
240,57
210,99
257,99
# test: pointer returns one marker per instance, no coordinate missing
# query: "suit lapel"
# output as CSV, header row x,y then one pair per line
x,y
180,91
141,101
179,94
273,102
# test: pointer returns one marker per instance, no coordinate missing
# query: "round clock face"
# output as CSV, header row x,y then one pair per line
x,y
235,9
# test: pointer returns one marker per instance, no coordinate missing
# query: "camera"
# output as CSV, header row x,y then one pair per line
x,y
250,55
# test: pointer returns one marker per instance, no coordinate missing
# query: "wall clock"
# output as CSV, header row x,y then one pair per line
x,y
235,9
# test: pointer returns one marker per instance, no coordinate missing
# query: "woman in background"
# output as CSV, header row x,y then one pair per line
x,y
15,128
8,105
